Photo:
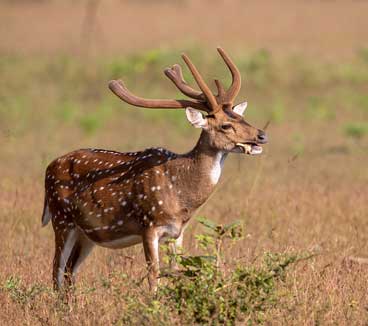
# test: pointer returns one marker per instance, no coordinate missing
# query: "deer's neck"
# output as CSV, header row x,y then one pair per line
x,y
200,171
207,162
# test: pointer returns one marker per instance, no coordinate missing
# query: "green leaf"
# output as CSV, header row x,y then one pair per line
x,y
207,223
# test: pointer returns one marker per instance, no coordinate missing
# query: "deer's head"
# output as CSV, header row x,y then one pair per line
x,y
223,123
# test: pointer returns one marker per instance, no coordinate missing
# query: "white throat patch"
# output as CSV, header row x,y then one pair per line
x,y
216,169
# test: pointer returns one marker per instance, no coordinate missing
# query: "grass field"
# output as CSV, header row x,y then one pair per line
x,y
306,195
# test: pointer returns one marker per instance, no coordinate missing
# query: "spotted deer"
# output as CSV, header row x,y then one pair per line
x,y
115,200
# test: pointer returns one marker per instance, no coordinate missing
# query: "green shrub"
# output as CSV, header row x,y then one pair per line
x,y
205,291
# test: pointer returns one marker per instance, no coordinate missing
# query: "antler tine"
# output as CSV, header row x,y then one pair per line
x,y
236,83
201,83
220,89
119,89
176,76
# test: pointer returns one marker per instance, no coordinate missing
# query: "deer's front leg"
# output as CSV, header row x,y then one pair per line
x,y
151,245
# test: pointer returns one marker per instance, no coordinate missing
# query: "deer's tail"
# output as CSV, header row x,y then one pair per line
x,y
46,215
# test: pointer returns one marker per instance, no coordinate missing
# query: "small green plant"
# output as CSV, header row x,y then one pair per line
x,y
206,290
356,130
20,293
93,121
90,123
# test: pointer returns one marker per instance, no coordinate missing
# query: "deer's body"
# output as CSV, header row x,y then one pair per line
x,y
111,199
116,200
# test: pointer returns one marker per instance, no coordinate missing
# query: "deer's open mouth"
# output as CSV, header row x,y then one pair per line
x,y
250,148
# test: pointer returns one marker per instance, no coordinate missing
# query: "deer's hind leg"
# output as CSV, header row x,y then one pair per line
x,y
71,248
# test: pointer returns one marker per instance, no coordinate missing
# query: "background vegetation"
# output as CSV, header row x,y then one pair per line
x,y
304,69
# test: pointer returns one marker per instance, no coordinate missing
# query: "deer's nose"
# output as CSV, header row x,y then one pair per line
x,y
262,137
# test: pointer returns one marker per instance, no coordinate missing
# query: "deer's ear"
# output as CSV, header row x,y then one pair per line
x,y
196,118
240,108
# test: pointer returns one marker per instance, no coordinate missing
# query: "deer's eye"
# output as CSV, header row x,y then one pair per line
x,y
226,126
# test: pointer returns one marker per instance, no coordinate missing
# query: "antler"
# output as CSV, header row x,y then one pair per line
x,y
220,89
233,90
201,83
176,76
119,89
204,100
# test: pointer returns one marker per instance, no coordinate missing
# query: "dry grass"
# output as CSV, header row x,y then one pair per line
x,y
307,192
